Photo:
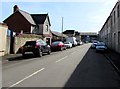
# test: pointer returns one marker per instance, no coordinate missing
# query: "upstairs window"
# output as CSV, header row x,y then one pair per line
x,y
118,11
46,28
114,17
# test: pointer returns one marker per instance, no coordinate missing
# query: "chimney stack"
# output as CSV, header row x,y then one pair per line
x,y
15,8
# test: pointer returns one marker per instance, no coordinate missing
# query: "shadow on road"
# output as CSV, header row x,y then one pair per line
x,y
91,72
27,56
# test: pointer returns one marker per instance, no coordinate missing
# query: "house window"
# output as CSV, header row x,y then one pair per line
x,y
46,28
118,11
111,21
114,16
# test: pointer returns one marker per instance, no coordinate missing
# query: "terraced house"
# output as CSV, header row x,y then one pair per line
x,y
110,32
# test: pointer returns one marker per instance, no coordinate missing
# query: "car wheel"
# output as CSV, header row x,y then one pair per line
x,y
23,54
49,51
61,49
65,48
39,54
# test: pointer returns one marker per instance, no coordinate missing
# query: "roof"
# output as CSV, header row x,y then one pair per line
x,y
77,33
27,16
3,24
40,18
58,34
69,32
88,33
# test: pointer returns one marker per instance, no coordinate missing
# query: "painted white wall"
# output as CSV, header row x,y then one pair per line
x,y
3,39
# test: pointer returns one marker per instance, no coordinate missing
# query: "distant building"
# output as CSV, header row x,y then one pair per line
x,y
82,36
73,33
88,36
69,33
57,36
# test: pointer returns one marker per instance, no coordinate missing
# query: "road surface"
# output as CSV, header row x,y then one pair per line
x,y
79,66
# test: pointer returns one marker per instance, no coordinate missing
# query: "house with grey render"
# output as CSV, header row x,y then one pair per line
x,y
43,26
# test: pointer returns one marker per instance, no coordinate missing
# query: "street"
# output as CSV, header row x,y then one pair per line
x,y
79,66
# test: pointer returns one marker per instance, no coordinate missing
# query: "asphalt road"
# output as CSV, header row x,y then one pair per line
x,y
76,67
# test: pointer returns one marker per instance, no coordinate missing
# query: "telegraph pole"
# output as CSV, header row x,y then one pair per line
x,y
62,28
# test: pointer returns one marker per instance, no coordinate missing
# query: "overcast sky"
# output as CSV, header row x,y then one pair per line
x,y
80,15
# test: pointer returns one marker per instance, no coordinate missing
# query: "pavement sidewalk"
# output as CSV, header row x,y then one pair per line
x,y
114,58
10,57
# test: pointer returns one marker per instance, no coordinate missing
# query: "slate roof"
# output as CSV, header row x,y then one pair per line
x,y
88,33
40,18
69,32
27,16
58,34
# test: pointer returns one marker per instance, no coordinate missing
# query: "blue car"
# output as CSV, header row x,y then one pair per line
x,y
101,47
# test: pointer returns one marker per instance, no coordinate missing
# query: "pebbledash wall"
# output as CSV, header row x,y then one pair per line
x,y
3,37
110,32
21,39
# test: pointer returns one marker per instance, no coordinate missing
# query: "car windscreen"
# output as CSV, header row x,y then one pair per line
x,y
41,42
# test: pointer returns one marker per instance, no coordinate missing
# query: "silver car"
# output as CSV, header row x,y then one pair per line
x,y
94,44
68,44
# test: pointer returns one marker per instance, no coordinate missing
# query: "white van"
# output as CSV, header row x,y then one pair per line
x,y
72,40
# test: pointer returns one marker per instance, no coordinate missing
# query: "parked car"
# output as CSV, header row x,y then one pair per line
x,y
37,47
68,44
80,43
101,47
94,44
58,45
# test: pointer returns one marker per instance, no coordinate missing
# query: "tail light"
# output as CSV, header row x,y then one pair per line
x,y
60,45
37,45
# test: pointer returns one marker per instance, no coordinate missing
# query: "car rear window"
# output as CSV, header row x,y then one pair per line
x,y
31,43
100,44
67,42
55,43
41,42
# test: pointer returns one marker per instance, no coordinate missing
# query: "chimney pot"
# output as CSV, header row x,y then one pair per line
x,y
15,8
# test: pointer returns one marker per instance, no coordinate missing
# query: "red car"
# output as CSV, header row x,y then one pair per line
x,y
58,45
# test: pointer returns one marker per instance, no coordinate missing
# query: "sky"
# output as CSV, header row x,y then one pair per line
x,y
79,15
